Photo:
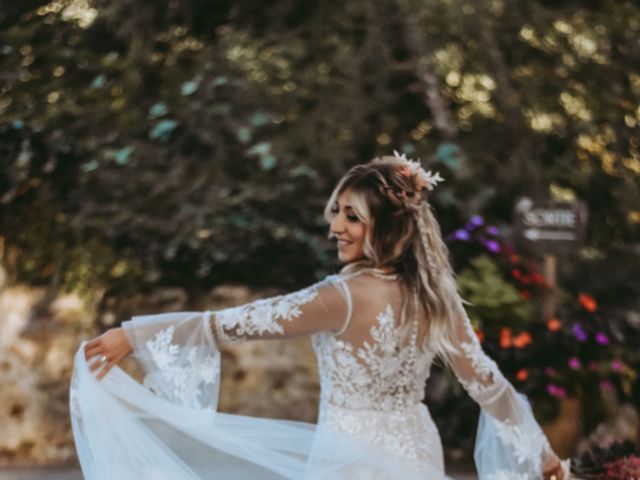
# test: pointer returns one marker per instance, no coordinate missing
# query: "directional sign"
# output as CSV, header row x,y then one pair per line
x,y
549,226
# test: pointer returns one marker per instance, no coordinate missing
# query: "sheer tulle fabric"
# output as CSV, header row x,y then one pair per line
x,y
371,424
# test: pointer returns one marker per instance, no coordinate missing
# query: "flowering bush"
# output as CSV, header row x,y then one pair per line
x,y
580,351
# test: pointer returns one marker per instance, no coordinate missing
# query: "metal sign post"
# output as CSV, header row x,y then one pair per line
x,y
549,228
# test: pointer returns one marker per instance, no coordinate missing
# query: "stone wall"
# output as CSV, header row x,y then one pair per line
x,y
276,379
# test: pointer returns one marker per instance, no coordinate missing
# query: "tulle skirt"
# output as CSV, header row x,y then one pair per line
x,y
123,430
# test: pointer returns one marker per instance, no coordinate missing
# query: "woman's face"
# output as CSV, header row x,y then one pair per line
x,y
348,230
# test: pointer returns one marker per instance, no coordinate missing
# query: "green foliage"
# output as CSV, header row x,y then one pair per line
x,y
202,138
495,301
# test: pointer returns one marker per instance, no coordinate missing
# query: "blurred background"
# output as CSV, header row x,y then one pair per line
x,y
177,154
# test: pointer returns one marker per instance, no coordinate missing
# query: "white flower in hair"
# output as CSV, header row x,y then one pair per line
x,y
413,168
430,179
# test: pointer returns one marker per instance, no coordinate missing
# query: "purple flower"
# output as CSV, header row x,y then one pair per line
x,y
574,363
493,246
461,235
616,365
579,332
602,339
477,220
556,391
491,230
593,366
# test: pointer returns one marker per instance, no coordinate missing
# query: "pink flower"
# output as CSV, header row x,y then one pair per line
x,y
556,391
422,179
574,363
405,170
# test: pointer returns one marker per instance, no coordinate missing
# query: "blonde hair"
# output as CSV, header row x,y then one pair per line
x,y
402,233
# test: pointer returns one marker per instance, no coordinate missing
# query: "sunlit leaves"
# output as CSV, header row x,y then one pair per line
x,y
259,118
263,150
158,110
162,130
121,157
450,155
188,88
98,82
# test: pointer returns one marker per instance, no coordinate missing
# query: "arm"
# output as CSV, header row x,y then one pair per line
x,y
325,306
509,440
179,350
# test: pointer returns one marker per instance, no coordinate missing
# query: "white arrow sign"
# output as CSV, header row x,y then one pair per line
x,y
535,234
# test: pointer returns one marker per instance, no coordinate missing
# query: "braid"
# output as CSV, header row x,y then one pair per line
x,y
425,237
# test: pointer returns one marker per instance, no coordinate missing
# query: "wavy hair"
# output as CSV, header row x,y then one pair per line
x,y
402,233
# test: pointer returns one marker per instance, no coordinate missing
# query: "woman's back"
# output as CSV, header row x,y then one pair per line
x,y
374,363
373,374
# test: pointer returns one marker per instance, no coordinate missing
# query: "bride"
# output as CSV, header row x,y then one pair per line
x,y
376,328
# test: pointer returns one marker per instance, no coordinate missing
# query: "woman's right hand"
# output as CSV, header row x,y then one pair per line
x,y
110,347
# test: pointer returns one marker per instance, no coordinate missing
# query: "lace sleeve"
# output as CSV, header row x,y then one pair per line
x,y
324,306
509,443
179,350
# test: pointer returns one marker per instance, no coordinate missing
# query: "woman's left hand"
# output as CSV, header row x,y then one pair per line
x,y
552,469
110,347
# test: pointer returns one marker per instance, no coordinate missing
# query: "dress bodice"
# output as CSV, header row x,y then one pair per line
x,y
387,371
373,378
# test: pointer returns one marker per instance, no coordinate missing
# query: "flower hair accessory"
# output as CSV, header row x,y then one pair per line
x,y
413,168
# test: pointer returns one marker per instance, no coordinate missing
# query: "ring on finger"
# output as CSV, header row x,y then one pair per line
x,y
104,359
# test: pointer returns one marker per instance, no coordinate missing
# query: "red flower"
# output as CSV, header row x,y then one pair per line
x,y
537,278
522,340
516,273
522,374
554,324
588,302
505,337
479,334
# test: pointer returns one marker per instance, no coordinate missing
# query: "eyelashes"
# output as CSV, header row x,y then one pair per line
x,y
351,218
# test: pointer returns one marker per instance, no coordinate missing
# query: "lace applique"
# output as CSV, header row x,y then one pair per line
x,y
261,316
487,382
181,370
382,374
410,434
527,443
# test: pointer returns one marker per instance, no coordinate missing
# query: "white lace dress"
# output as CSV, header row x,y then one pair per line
x,y
372,423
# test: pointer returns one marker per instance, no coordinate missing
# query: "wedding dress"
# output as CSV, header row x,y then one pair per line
x,y
372,423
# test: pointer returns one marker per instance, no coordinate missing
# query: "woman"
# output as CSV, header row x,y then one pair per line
x,y
376,329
